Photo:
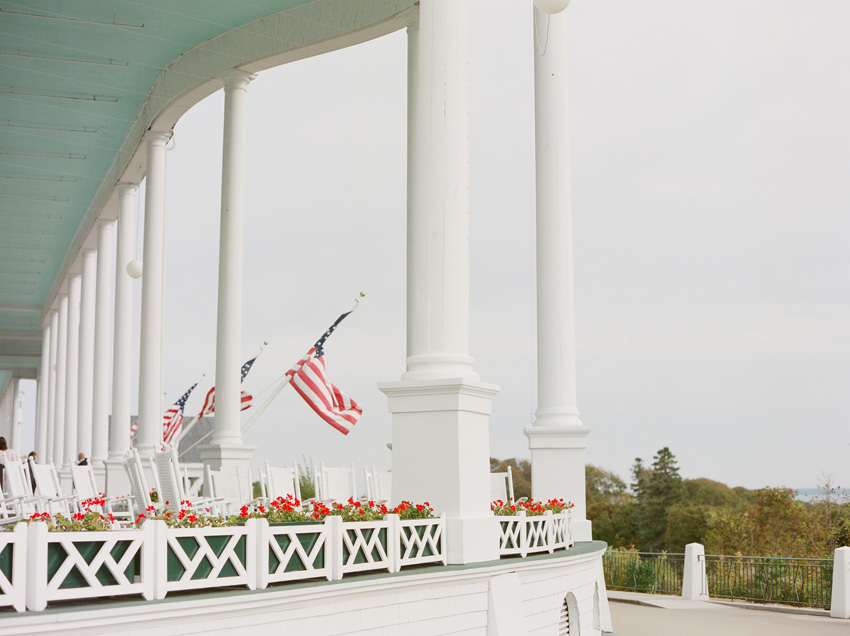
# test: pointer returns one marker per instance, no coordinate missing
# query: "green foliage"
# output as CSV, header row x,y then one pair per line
x,y
777,525
614,524
686,524
305,479
656,490
706,492
604,487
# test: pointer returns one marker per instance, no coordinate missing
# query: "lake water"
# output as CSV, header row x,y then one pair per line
x,y
808,494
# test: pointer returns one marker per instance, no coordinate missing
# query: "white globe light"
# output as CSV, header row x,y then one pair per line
x,y
551,6
134,269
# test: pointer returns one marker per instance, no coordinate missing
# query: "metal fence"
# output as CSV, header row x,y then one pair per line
x,y
801,582
648,572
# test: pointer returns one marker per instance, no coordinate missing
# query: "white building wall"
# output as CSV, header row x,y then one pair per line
x,y
428,604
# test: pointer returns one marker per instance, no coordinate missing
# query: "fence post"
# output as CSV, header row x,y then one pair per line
x,y
523,533
394,542
693,579
252,545
148,565
444,552
36,580
262,553
333,526
840,606
160,557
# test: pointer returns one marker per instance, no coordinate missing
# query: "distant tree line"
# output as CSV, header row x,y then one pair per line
x,y
659,511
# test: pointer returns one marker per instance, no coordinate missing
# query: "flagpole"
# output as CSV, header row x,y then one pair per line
x,y
195,419
288,378
265,404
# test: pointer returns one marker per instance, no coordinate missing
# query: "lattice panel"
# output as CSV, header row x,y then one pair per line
x,y
207,557
298,553
93,564
12,568
510,535
561,530
421,541
364,546
536,534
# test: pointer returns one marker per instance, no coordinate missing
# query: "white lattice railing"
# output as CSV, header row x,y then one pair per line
x,y
292,552
201,558
421,541
38,567
361,546
13,571
77,565
522,535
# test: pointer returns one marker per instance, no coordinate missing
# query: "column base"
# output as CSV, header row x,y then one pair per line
x,y
472,540
557,464
439,367
581,530
440,449
227,457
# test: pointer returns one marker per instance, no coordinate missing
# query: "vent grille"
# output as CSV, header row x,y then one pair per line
x,y
564,622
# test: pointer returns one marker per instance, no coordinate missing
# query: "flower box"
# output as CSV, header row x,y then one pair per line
x,y
87,564
200,558
522,535
13,573
292,551
421,541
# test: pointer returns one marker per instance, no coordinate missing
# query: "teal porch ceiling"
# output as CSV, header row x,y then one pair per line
x,y
73,76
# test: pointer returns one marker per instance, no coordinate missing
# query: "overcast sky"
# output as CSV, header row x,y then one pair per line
x,y
711,212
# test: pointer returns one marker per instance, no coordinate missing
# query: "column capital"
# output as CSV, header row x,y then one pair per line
x,y
158,137
125,188
236,79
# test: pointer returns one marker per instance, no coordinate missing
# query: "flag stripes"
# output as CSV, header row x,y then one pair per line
x,y
332,405
246,401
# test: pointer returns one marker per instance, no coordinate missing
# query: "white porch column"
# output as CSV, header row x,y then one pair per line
x,y
440,408
86,362
149,434
225,448
557,439
43,393
44,453
72,373
119,428
17,417
103,300
61,385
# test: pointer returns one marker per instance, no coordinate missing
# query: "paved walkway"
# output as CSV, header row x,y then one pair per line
x,y
653,615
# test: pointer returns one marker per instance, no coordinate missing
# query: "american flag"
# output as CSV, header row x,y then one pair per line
x,y
133,428
173,417
247,399
209,404
311,383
